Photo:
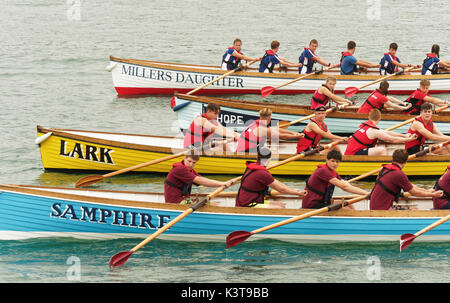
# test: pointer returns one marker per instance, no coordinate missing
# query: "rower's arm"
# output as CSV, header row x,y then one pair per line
x,y
284,189
436,101
338,99
397,106
321,61
326,134
366,64
346,186
207,182
421,192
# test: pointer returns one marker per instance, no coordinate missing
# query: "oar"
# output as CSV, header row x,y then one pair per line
x,y
121,257
239,236
331,109
406,239
88,180
412,119
268,90
350,91
237,69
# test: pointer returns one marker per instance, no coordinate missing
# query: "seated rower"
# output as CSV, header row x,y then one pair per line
x,y
326,92
315,130
320,185
390,64
443,183
233,56
205,125
258,132
432,62
424,129
178,183
257,180
308,58
349,63
270,59
420,96
379,99
392,180
364,140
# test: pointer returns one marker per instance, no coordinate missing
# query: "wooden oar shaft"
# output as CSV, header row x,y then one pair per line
x,y
302,77
221,77
412,119
429,227
386,77
338,107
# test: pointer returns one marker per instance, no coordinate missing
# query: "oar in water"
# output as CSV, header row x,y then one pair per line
x,y
350,91
406,239
239,236
88,180
121,257
268,90
237,69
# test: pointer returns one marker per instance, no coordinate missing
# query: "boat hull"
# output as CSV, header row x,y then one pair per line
x,y
142,77
32,212
73,150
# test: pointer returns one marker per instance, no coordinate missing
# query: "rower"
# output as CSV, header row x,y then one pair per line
x,y
308,58
315,130
204,126
233,56
392,180
320,185
390,64
443,183
258,131
178,183
364,140
257,180
379,99
326,92
420,96
270,59
424,129
432,63
349,63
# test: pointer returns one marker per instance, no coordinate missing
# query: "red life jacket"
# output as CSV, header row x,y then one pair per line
x,y
248,184
248,142
416,99
311,138
185,188
328,194
420,138
375,100
196,134
359,139
319,99
387,168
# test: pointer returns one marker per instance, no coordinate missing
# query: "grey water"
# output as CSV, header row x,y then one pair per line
x,y
53,62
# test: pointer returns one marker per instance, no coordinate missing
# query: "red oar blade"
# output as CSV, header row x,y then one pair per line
x,y
267,91
237,237
350,91
405,240
120,258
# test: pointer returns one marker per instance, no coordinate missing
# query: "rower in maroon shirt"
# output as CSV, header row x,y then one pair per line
x,y
320,185
392,180
443,183
256,181
178,183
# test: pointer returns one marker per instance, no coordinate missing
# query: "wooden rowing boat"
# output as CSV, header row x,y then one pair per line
x,y
237,114
80,150
38,211
142,77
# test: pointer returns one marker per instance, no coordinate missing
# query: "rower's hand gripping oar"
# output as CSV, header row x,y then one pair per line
x,y
237,69
88,180
350,91
268,90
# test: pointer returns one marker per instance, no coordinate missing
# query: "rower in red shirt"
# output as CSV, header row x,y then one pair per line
x,y
320,185
258,131
204,126
178,183
424,129
443,183
257,180
364,140
326,92
379,99
392,180
420,96
315,130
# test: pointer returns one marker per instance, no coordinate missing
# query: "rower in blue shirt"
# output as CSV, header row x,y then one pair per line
x,y
390,64
432,62
308,58
270,59
233,56
349,63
